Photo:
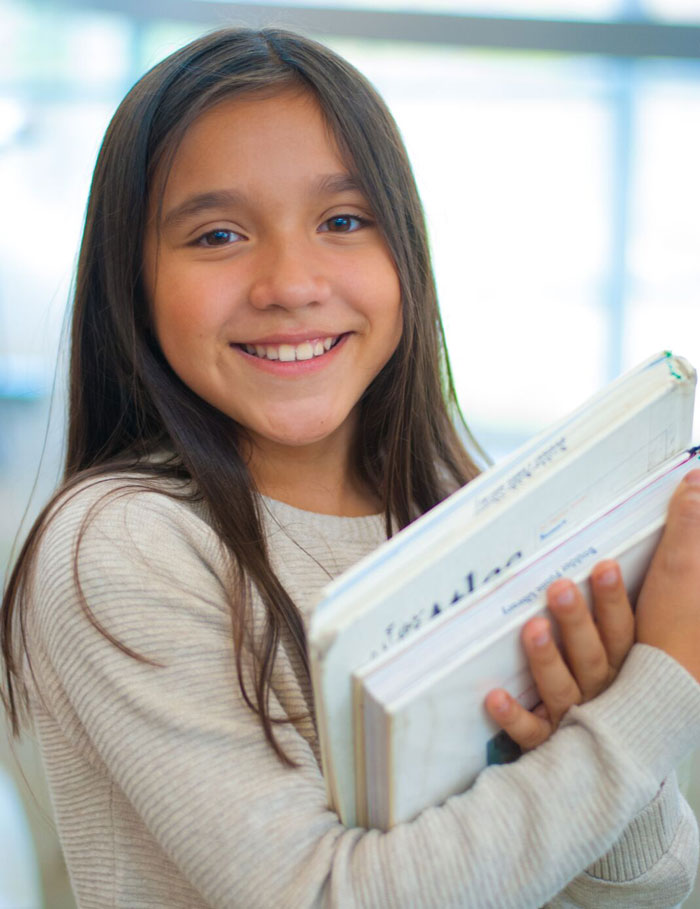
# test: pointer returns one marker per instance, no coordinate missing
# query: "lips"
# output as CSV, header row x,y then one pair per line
x,y
288,353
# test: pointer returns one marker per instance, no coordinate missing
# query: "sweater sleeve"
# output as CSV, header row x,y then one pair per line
x,y
651,866
244,830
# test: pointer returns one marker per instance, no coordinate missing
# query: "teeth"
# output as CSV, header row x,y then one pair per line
x,y
287,353
305,351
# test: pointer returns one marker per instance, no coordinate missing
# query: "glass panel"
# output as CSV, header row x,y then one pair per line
x,y
44,179
664,264
53,49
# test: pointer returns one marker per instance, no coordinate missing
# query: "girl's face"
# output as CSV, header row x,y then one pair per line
x,y
272,292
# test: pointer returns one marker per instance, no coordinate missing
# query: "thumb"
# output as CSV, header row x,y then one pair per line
x,y
668,608
679,549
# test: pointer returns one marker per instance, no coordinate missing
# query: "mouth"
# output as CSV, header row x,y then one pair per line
x,y
288,353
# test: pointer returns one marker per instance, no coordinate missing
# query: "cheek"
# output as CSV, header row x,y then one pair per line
x,y
181,332
186,321
186,310
176,327
375,284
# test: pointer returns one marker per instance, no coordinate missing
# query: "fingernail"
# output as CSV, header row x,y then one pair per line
x,y
564,597
608,578
693,478
541,636
500,703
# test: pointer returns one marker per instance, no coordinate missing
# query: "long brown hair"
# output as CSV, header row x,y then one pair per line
x,y
125,401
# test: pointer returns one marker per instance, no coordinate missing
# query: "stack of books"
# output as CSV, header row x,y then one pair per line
x,y
405,645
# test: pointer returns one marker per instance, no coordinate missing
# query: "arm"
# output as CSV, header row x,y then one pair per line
x,y
190,757
653,863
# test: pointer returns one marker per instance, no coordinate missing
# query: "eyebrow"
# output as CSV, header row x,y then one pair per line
x,y
328,184
196,205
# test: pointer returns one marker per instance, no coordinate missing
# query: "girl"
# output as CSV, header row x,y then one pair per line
x,y
259,394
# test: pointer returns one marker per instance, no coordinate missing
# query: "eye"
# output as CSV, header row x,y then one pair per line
x,y
344,224
221,236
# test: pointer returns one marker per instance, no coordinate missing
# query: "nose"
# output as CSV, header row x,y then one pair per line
x,y
289,275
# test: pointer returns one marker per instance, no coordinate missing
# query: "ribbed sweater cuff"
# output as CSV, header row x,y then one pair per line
x,y
645,841
653,709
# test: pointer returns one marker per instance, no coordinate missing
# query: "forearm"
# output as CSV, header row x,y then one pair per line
x,y
653,864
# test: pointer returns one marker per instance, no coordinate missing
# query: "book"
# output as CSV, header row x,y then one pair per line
x,y
481,534
438,683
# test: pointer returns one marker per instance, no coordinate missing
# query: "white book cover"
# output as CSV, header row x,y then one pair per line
x,y
484,531
421,707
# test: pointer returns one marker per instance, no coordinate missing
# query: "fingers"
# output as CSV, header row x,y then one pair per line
x,y
527,729
597,643
584,663
592,649
555,682
614,617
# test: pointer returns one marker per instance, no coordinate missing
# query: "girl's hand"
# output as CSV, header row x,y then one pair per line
x,y
593,648
668,607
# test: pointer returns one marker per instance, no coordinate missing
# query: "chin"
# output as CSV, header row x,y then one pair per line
x,y
300,433
299,439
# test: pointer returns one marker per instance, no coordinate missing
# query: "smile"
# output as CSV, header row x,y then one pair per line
x,y
287,353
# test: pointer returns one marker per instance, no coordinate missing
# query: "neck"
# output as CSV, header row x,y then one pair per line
x,y
319,477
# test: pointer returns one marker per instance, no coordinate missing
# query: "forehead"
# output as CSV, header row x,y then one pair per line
x,y
254,140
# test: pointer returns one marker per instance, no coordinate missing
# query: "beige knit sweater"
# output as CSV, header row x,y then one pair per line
x,y
167,794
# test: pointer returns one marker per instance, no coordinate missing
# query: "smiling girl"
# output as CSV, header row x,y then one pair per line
x,y
259,395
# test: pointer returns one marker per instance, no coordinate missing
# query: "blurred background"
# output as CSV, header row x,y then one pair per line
x,y
556,144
